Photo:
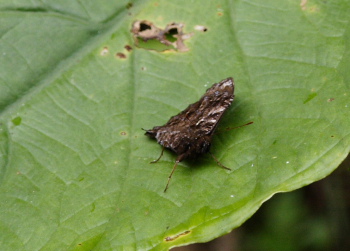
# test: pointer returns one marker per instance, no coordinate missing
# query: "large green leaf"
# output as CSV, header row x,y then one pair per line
x,y
74,163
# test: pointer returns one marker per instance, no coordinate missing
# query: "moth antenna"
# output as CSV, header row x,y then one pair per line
x,y
218,162
171,174
161,154
230,128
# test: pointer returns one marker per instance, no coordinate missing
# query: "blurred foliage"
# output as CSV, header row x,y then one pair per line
x,y
313,218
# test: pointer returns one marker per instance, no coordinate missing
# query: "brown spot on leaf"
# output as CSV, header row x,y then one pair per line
x,y
123,133
174,237
330,100
171,36
120,55
128,47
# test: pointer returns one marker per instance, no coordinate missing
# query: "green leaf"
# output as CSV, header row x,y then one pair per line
x,y
74,163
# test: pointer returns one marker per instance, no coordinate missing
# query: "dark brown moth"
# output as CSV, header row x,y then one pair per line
x,y
189,133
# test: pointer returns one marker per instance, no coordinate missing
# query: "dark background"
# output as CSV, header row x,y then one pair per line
x,y
313,218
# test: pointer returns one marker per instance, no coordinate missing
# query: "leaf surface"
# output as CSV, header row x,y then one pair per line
x,y
74,163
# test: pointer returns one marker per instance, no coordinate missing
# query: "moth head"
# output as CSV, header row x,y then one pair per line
x,y
151,133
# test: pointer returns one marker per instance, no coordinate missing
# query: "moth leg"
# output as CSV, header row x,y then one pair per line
x,y
218,162
161,154
171,174
179,159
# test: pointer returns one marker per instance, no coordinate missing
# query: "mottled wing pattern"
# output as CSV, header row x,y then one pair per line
x,y
189,133
204,115
197,121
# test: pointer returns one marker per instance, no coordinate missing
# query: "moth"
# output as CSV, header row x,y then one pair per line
x,y
189,133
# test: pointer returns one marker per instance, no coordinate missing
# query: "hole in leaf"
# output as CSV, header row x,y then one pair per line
x,y
148,36
144,27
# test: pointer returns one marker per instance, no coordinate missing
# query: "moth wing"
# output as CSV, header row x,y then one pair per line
x,y
204,115
195,125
